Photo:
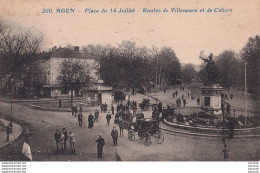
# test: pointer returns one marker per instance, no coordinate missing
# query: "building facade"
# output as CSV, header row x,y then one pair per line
x,y
50,65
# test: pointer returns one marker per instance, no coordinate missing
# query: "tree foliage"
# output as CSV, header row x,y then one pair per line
x,y
18,49
131,66
251,55
73,75
229,68
188,73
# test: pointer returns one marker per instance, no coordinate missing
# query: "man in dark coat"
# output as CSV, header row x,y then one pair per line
x,y
108,117
105,107
184,102
100,143
114,134
75,110
112,109
7,131
101,108
90,121
57,137
121,129
80,118
179,101
117,108
231,96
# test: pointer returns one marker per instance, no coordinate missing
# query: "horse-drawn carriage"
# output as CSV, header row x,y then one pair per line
x,y
145,129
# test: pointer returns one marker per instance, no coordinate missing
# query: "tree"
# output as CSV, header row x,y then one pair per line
x,y
229,68
251,55
117,70
73,75
169,67
18,50
188,73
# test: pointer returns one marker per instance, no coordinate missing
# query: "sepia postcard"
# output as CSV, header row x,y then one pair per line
x,y
139,80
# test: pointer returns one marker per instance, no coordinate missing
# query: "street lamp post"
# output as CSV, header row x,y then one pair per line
x,y
245,97
11,113
156,77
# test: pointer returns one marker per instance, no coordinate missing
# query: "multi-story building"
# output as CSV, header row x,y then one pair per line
x,y
50,64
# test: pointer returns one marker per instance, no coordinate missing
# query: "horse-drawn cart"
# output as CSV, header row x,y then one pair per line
x,y
145,129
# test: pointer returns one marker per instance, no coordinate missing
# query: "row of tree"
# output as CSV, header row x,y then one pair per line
x,y
134,67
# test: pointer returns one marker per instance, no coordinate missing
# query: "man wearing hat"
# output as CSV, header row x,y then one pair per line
x,y
108,117
100,143
114,134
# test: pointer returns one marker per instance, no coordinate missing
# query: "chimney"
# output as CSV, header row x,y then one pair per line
x,y
76,48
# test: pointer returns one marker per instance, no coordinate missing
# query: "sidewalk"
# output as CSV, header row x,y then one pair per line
x,y
17,130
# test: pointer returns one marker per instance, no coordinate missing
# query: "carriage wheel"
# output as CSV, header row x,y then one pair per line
x,y
159,137
131,135
146,139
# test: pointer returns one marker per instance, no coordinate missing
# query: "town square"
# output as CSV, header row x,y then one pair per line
x,y
129,87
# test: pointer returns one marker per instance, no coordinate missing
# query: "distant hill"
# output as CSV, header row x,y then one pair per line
x,y
196,67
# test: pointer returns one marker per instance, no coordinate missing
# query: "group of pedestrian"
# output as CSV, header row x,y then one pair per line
x,y
74,110
77,113
178,102
129,105
103,108
175,94
61,138
101,142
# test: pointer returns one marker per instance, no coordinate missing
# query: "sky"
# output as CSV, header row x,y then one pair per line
x,y
186,33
